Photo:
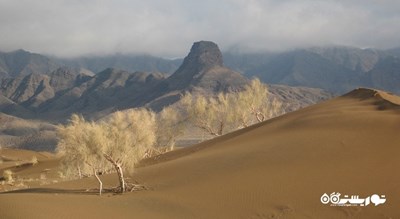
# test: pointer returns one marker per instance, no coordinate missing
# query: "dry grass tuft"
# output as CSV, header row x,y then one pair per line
x,y
8,176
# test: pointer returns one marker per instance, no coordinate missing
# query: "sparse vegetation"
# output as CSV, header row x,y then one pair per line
x,y
253,104
230,111
116,143
34,160
43,176
8,176
169,127
211,114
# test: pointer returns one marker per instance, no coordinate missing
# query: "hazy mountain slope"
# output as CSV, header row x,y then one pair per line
x,y
386,74
103,93
129,63
21,63
335,69
394,52
305,68
355,59
245,62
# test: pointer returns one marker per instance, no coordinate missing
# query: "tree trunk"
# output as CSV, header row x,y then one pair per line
x,y
100,182
79,172
260,117
120,177
221,128
119,170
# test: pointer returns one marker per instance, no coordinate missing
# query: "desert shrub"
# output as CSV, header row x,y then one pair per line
x,y
210,114
253,104
78,145
8,175
217,115
169,126
115,143
43,176
34,160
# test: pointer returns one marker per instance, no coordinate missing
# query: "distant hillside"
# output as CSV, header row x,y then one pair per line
x,y
34,90
20,63
131,63
335,69
394,52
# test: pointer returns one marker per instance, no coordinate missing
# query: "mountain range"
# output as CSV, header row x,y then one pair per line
x,y
336,69
56,94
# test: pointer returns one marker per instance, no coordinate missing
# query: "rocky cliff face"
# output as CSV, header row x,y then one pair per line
x,y
203,68
202,56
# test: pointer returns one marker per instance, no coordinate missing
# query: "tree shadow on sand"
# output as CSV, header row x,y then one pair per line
x,y
59,191
109,191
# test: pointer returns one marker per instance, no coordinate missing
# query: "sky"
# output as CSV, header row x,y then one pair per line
x,y
167,28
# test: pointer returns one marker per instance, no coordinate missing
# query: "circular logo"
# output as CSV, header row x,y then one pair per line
x,y
325,199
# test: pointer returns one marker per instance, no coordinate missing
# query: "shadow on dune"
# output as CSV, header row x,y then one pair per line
x,y
58,191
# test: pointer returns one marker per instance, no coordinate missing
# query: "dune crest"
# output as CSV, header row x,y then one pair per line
x,y
379,95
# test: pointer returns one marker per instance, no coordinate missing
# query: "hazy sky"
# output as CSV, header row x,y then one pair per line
x,y
169,27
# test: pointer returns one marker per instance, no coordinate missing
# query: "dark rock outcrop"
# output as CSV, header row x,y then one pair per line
x,y
203,68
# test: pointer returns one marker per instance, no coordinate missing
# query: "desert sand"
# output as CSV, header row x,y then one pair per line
x,y
276,169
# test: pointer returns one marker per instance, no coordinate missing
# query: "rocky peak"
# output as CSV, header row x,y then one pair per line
x,y
205,54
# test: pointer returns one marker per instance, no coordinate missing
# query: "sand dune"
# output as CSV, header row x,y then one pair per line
x,y
276,169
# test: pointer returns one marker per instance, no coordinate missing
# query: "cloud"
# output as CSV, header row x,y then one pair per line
x,y
169,27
